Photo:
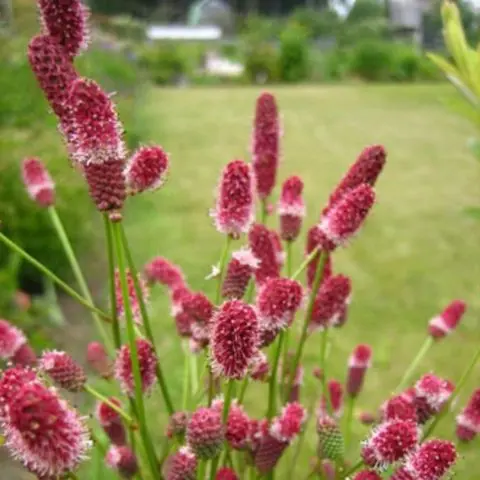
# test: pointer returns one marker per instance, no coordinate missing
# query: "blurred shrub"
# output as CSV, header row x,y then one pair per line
x,y
261,62
330,66
164,62
316,23
372,61
293,62
125,26
258,29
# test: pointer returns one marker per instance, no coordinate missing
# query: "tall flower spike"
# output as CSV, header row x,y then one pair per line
x,y
11,381
165,272
444,324
366,169
98,359
390,442
239,271
11,339
264,248
122,459
277,302
147,169
316,239
148,363
234,339
431,395
226,473
238,427
134,300
111,422
38,182
235,208
65,21
358,364
44,432
181,465
468,422
432,461
291,208
399,407
346,217
266,144
200,309
205,432
53,70
63,370
334,292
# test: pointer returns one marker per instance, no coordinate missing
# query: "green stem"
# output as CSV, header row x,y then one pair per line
x,y
243,390
186,378
461,383
349,419
427,344
286,342
305,263
117,338
193,372
288,248
13,246
352,470
323,366
202,466
77,272
263,211
272,390
146,321
102,398
221,267
315,286
139,404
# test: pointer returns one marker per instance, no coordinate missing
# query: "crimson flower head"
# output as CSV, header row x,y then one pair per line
x,y
468,422
11,340
122,459
38,182
181,465
433,460
431,394
148,363
316,239
334,292
390,442
346,217
44,433
358,364
200,309
163,271
289,423
97,130
259,367
238,427
98,359
65,21
134,300
205,432
399,407
53,70
147,169
226,473
234,339
235,206
335,405
291,208
367,475
365,170
444,324
263,244
277,302
11,381
63,370
239,271
266,144
111,421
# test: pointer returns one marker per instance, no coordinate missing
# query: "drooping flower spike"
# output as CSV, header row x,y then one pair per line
x,y
291,208
358,364
38,183
111,422
444,324
239,271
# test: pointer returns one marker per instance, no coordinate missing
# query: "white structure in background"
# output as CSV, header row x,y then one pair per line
x,y
221,67
184,32
406,16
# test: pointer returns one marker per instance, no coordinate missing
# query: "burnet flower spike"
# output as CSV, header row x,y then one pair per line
x,y
358,364
239,271
181,465
468,421
330,444
399,407
38,183
291,208
265,248
444,324
122,459
134,300
205,432
431,395
111,422
63,370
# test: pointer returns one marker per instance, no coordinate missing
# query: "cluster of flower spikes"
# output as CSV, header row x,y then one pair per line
x,y
87,116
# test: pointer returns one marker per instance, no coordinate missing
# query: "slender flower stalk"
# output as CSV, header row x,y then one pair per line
x,y
146,321
139,404
102,398
305,263
272,387
221,268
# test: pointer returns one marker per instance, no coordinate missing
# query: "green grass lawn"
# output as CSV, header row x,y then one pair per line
x,y
416,253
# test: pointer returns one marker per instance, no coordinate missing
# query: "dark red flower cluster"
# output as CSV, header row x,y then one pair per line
x,y
291,208
265,247
239,272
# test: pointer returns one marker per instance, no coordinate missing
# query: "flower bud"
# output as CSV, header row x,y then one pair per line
x,y
177,425
431,395
291,209
468,422
238,427
447,321
399,407
111,421
330,439
11,339
132,294
239,271
38,182
358,365
181,465
263,245
166,273
63,370
98,359
122,459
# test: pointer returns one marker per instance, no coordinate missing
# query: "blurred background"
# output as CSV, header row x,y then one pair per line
x,y
186,75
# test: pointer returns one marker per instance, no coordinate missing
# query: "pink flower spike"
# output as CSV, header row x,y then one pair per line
x,y
367,475
468,422
239,271
147,169
177,424
181,465
259,367
399,407
205,432
122,459
63,370
148,363
97,130
358,364
390,442
365,170
65,21
226,473
200,309
291,208
266,144
235,208
111,421
53,70
334,292
11,339
134,300
278,301
161,270
38,182
289,424
346,217
44,432
444,324
431,395
234,339
24,356
238,427
264,247
98,360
